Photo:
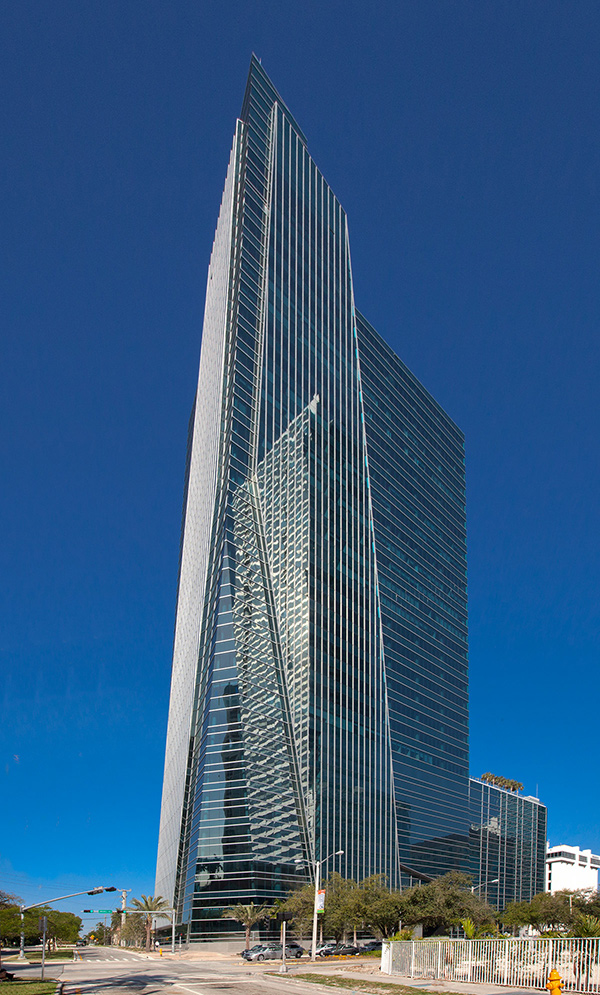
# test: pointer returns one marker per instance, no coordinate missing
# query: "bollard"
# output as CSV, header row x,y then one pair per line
x,y
554,983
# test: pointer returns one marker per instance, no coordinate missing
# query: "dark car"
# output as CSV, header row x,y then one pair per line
x,y
371,946
347,950
81,943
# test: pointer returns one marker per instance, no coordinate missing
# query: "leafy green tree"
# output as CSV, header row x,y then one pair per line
x,y
442,903
591,905
248,915
343,906
582,900
10,922
9,914
380,906
545,912
7,899
403,934
102,934
372,905
62,926
134,930
300,906
151,905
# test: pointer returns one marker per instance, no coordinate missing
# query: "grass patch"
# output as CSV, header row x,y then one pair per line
x,y
35,957
28,987
359,985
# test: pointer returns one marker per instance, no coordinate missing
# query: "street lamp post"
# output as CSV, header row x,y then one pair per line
x,y
318,865
484,884
50,901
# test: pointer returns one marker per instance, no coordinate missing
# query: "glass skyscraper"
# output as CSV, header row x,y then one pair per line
x,y
508,844
319,686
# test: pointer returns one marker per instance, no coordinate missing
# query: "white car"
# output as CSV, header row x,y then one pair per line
x,y
326,949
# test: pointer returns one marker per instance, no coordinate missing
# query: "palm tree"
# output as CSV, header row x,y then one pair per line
x,y
473,932
584,958
248,915
585,926
150,905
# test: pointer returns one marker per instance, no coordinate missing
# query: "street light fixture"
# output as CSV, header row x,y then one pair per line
x,y
476,887
318,865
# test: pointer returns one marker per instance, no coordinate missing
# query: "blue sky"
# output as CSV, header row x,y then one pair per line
x,y
463,140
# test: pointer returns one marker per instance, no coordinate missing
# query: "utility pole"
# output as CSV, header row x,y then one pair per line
x,y
43,923
123,905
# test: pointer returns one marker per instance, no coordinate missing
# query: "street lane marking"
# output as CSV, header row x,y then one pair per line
x,y
214,983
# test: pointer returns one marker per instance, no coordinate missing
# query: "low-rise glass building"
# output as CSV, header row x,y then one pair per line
x,y
507,844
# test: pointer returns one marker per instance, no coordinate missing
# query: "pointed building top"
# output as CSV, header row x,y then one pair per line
x,y
261,95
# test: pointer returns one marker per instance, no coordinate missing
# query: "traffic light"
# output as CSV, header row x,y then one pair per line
x,y
95,891
87,910
110,889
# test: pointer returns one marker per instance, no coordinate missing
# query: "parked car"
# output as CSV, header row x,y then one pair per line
x,y
266,951
347,950
325,949
371,945
246,954
294,949
274,951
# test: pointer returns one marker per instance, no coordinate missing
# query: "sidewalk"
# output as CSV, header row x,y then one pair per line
x,y
372,973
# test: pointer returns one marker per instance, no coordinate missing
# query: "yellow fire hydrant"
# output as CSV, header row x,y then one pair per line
x,y
554,983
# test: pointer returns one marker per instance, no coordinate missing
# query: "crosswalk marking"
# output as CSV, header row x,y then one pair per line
x,y
92,962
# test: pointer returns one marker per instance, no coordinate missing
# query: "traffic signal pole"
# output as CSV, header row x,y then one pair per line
x,y
50,901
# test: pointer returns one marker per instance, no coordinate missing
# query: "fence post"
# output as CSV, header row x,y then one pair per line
x,y
506,950
469,948
439,963
412,959
386,957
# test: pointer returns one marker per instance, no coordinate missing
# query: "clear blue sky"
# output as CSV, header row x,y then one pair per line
x,y
463,140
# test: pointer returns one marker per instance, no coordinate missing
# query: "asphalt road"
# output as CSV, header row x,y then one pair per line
x,y
114,971
111,971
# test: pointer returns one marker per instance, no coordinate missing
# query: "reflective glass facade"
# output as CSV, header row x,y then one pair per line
x,y
319,685
417,477
508,844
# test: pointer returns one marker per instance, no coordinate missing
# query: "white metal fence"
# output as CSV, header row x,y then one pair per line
x,y
518,963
